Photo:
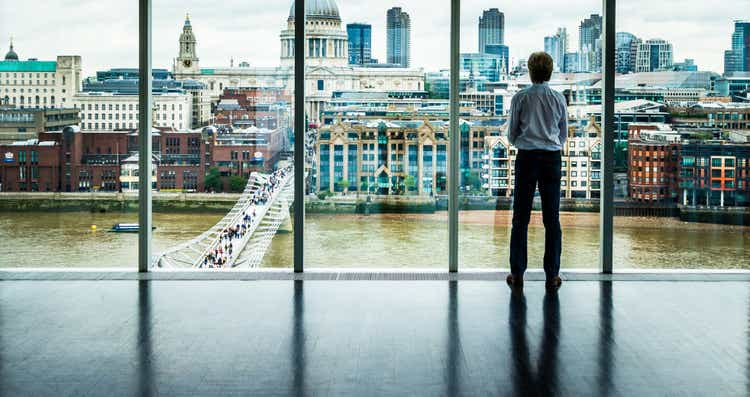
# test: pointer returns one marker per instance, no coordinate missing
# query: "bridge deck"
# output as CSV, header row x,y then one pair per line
x,y
255,218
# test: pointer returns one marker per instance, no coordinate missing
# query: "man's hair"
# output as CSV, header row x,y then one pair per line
x,y
540,67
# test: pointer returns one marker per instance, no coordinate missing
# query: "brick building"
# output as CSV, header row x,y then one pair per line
x,y
243,151
715,173
72,160
684,167
653,156
30,166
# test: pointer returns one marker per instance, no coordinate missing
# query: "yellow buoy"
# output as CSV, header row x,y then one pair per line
x,y
93,227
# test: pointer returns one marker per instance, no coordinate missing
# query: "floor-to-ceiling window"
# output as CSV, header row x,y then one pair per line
x,y
224,130
376,190
682,158
496,41
66,137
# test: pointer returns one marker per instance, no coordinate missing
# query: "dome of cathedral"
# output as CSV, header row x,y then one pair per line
x,y
321,9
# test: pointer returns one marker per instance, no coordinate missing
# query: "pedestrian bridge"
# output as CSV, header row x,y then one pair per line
x,y
241,238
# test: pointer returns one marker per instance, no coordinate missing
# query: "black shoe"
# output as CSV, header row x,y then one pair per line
x,y
514,281
553,284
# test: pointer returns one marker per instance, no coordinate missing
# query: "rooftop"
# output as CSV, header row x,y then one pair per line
x,y
566,79
659,126
228,104
722,105
28,66
33,142
85,94
637,105
326,9
692,80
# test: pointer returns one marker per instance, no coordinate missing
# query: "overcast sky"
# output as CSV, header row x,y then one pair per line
x,y
104,32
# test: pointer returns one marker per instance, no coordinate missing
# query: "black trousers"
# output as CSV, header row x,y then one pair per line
x,y
536,167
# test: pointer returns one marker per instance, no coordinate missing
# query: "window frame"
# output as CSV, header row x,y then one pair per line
x,y
145,100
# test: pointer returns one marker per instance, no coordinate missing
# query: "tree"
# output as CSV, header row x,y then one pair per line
x,y
212,182
704,136
473,180
323,194
342,185
237,184
410,182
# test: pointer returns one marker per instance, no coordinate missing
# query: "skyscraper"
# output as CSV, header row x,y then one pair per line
x,y
623,43
634,45
491,28
571,64
501,50
360,43
590,44
556,46
738,58
398,30
653,55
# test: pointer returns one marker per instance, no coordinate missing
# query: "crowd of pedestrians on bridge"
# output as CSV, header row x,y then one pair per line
x,y
219,256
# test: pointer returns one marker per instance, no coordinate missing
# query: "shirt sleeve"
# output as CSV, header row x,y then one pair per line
x,y
514,120
563,124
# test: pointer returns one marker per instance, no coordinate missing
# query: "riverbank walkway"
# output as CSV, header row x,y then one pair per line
x,y
242,236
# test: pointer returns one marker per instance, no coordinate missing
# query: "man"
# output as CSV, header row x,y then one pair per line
x,y
538,127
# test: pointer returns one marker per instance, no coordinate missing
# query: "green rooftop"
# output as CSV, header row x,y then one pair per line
x,y
28,66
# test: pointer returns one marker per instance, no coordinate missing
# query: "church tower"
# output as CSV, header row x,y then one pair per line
x,y
187,61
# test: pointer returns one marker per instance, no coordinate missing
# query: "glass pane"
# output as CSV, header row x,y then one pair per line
x,y
377,145
229,152
64,147
495,46
682,160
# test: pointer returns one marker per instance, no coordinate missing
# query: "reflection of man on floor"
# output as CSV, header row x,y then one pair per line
x,y
538,127
545,380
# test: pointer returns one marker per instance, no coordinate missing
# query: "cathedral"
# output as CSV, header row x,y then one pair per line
x,y
326,63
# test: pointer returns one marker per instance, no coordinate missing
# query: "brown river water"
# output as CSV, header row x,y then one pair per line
x,y
65,239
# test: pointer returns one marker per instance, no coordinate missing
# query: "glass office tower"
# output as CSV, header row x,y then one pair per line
x,y
360,43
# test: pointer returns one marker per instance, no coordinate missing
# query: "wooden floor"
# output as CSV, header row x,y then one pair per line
x,y
364,338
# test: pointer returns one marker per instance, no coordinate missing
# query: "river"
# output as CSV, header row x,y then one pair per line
x,y
65,239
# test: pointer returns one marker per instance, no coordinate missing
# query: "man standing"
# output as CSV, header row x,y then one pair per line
x,y
538,127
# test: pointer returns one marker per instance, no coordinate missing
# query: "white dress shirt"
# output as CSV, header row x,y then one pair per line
x,y
538,119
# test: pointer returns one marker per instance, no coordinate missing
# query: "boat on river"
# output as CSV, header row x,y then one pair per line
x,y
127,228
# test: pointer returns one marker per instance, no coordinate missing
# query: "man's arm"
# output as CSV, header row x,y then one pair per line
x,y
514,120
563,124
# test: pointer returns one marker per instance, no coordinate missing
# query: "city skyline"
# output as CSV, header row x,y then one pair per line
x,y
525,30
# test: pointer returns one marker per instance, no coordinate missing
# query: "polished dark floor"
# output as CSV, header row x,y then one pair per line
x,y
363,338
